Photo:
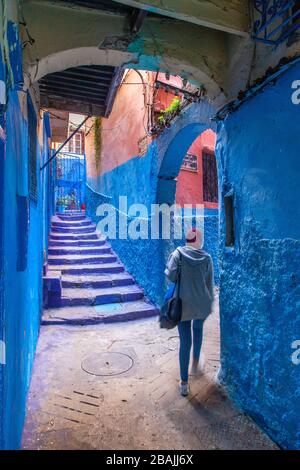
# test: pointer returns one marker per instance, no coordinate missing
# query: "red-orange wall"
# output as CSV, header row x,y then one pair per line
x,y
163,98
189,188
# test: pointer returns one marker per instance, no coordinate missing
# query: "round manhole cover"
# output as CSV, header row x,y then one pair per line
x,y
107,364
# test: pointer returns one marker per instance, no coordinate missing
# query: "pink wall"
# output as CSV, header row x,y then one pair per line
x,y
125,126
127,123
90,150
189,188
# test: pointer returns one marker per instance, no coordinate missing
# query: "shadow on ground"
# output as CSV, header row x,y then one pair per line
x,y
141,408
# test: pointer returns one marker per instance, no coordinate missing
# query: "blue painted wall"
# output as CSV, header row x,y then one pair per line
x,y
258,161
23,243
23,288
148,180
258,149
2,154
137,180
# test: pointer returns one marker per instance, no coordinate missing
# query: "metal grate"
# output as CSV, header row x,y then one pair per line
x,y
275,21
210,178
69,181
75,406
32,151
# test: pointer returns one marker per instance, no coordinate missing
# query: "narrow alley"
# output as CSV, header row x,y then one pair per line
x,y
84,377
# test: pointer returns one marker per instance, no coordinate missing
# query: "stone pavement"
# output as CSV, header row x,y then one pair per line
x,y
69,408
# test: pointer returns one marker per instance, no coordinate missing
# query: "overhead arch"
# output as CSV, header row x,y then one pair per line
x,y
101,38
77,57
174,144
83,56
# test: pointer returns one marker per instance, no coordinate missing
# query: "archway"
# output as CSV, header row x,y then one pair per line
x,y
174,144
197,185
188,176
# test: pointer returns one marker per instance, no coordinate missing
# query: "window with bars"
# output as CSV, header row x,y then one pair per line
x,y
229,219
76,144
210,177
32,151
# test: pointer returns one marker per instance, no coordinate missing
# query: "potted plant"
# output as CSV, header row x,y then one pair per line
x,y
72,203
60,205
168,113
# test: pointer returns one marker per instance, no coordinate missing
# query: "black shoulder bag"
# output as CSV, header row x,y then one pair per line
x,y
171,311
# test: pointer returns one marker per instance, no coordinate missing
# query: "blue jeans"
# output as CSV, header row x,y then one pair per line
x,y
185,335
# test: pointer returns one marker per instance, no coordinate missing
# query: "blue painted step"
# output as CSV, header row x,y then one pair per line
x,y
97,281
79,243
78,230
60,251
89,268
81,259
81,223
100,296
110,313
90,277
89,236
75,217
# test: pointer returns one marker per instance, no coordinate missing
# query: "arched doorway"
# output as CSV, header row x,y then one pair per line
x,y
197,185
189,177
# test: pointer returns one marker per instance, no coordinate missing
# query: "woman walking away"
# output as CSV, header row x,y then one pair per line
x,y
197,295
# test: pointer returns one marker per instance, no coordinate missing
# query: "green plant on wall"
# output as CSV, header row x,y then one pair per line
x,y
170,111
98,141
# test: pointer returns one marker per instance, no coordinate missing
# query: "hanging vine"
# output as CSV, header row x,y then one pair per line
x,y
98,141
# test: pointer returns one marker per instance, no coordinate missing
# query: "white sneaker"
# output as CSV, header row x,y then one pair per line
x,y
184,389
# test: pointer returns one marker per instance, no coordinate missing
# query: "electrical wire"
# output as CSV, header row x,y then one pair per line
x,y
146,104
60,118
148,111
92,126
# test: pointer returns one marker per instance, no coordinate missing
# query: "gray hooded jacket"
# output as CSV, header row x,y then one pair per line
x,y
197,281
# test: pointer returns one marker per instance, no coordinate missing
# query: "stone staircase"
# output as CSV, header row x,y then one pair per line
x,y
85,282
